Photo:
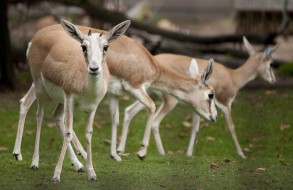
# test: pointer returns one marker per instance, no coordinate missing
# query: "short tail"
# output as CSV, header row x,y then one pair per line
x,y
28,48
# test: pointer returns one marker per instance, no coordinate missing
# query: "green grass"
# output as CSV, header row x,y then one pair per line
x,y
258,116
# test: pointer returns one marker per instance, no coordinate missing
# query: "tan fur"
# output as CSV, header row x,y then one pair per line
x,y
126,59
231,79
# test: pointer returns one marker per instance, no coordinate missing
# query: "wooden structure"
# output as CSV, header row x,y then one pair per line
x,y
262,16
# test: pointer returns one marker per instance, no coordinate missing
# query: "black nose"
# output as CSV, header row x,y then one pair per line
x,y
94,69
213,119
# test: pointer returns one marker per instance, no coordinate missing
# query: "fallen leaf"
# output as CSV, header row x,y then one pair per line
x,y
241,170
125,97
203,125
255,137
246,149
227,161
270,92
259,170
214,166
188,117
180,151
209,138
170,152
107,141
97,125
52,140
3,149
168,126
283,163
29,132
284,126
186,124
51,125
124,154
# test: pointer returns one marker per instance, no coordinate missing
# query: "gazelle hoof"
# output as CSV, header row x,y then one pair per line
x,y
18,157
243,156
116,157
34,168
56,179
141,157
94,178
80,170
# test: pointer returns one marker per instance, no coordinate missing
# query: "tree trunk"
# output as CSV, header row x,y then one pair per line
x,y
6,65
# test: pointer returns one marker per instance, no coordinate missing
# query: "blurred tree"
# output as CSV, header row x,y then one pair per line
x,y
6,65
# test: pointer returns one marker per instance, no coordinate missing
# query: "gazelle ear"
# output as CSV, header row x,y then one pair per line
x,y
72,30
207,72
118,30
193,68
248,46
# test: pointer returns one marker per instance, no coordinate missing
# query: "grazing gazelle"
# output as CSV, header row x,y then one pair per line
x,y
70,72
226,83
133,68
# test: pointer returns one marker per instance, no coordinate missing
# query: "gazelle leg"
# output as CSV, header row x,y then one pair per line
x,y
129,113
25,104
194,130
68,105
39,118
59,119
143,97
88,134
114,112
79,148
230,125
169,102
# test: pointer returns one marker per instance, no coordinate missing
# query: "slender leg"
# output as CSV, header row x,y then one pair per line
x,y
143,97
68,105
39,117
78,146
114,112
168,104
59,119
129,113
194,130
88,134
230,125
25,104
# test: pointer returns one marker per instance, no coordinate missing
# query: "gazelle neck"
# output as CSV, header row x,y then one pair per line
x,y
172,83
246,72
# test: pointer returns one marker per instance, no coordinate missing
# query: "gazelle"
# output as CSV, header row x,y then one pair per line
x,y
133,68
68,74
226,82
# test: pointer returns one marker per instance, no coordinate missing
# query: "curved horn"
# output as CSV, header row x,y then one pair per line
x,y
271,50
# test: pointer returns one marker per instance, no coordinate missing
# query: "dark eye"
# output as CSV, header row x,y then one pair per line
x,y
83,48
105,48
211,96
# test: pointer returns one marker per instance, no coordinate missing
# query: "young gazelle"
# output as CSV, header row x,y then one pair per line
x,y
226,82
133,69
68,74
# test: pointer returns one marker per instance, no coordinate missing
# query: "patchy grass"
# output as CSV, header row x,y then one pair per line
x,y
263,120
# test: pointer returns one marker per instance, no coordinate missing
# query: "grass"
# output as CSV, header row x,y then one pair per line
x,y
263,120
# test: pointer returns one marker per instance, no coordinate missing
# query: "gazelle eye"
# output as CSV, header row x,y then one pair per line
x,y
105,48
84,49
211,96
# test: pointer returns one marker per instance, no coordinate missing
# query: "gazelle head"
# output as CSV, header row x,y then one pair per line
x,y
264,60
203,96
94,45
